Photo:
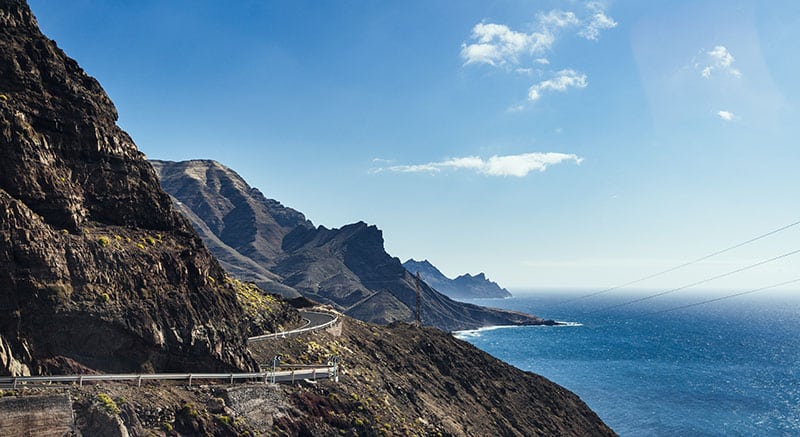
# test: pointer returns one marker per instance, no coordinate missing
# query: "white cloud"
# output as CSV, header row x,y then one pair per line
x,y
599,21
507,165
726,115
556,19
516,108
497,44
564,79
718,59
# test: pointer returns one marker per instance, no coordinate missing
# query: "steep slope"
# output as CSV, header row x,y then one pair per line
x,y
465,286
241,227
347,268
97,269
393,380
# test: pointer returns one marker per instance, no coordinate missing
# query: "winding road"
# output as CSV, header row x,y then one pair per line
x,y
315,320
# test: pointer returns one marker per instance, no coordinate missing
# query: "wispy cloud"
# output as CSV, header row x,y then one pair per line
x,y
716,60
498,45
560,82
599,21
507,165
726,115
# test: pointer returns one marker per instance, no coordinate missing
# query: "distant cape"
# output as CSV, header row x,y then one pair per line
x,y
465,286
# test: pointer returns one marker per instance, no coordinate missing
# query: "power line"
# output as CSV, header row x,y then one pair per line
x,y
725,297
686,264
641,299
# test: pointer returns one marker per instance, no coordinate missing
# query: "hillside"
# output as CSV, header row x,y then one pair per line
x,y
465,286
259,239
395,380
99,271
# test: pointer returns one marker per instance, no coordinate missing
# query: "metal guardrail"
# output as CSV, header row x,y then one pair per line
x,y
305,372
298,331
313,373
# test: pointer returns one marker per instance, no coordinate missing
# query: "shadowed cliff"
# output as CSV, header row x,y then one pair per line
x,y
98,268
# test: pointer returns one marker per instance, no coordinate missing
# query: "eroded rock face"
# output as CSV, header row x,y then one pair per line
x,y
97,269
260,240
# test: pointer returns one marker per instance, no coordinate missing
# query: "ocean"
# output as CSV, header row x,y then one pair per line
x,y
728,368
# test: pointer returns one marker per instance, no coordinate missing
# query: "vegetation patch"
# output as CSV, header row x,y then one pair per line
x,y
254,301
108,404
103,241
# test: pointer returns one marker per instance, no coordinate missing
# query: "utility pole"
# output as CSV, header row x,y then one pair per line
x,y
419,300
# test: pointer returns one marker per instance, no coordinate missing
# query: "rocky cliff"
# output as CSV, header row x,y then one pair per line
x,y
261,240
465,286
97,268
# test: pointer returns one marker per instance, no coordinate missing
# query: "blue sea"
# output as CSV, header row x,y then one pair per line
x,y
728,368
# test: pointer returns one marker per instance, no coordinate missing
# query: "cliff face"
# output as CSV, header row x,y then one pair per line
x,y
465,286
97,269
261,240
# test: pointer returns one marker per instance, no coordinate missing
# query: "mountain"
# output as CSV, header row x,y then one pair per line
x,y
465,286
97,268
261,240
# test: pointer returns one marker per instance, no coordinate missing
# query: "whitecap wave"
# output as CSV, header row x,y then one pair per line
x,y
475,333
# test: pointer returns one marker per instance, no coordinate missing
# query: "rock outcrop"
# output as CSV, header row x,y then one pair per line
x,y
465,286
97,268
260,240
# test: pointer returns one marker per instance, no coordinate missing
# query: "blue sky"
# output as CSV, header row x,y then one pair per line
x,y
546,143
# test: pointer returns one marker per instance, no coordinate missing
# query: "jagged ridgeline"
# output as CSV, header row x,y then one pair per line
x,y
260,240
97,269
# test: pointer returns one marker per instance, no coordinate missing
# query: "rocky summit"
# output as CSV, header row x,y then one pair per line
x,y
348,268
98,269
465,286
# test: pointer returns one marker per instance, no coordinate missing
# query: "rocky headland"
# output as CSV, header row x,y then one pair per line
x,y
465,286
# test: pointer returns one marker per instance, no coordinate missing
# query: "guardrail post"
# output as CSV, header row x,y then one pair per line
x,y
292,376
314,373
80,381
15,383
190,379
139,382
231,378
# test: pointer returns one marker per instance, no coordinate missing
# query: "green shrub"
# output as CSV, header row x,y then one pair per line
x,y
104,241
108,404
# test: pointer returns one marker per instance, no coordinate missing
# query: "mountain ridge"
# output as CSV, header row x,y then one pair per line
x,y
345,267
464,286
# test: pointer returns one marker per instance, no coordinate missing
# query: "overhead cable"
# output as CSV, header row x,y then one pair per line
x,y
686,264
652,296
716,299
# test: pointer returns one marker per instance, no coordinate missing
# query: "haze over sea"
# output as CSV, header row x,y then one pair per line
x,y
730,367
